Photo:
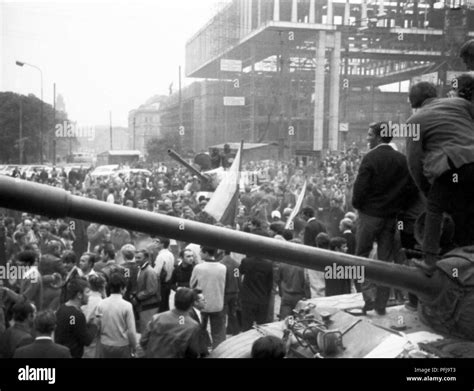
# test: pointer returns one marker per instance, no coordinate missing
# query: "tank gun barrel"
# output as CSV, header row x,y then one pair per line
x,y
54,202
174,155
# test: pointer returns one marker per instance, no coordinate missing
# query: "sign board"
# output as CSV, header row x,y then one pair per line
x,y
231,65
429,77
344,126
451,75
234,101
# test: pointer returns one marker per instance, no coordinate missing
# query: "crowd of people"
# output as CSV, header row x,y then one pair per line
x,y
92,290
138,273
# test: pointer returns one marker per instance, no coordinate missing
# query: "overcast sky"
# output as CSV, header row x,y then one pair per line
x,y
103,55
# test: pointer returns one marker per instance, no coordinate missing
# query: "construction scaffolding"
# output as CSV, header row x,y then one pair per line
x,y
306,74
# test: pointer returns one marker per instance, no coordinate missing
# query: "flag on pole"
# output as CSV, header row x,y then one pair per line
x,y
296,209
223,203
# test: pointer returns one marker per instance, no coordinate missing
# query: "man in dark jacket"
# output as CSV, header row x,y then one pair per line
x,y
441,162
231,294
173,334
43,346
20,334
182,273
72,329
195,314
467,54
256,289
382,184
313,226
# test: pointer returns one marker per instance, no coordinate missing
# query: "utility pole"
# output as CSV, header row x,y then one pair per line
x,y
20,141
54,124
134,134
181,126
110,120
21,64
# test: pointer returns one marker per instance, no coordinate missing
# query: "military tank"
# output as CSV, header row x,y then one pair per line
x,y
319,327
209,179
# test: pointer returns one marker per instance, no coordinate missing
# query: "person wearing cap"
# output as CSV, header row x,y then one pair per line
x,y
277,225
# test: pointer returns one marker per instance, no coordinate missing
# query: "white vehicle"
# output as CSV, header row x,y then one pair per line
x,y
127,171
105,171
8,169
30,170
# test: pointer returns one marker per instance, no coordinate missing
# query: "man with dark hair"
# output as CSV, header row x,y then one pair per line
x,y
117,328
441,162
322,240
43,346
268,347
72,329
382,185
227,157
210,277
316,277
69,260
195,314
182,273
20,334
420,92
463,87
164,266
337,286
287,234
467,54
231,295
148,289
108,257
106,254
313,227
173,334
345,227
86,264
256,290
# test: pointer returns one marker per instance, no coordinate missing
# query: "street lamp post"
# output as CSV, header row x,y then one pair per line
x,y
20,64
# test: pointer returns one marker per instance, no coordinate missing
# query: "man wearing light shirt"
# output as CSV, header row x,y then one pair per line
x,y
117,331
210,278
164,266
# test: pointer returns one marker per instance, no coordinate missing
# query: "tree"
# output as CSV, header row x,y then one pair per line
x,y
157,148
10,127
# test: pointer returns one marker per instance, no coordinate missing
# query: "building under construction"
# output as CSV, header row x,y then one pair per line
x,y
310,75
